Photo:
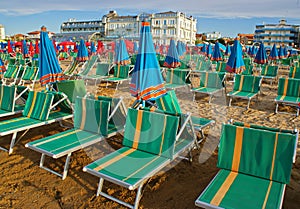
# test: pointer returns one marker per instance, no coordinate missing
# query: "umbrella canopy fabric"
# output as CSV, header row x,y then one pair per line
x,y
274,53
31,48
122,56
50,70
209,51
135,47
228,50
100,47
2,67
261,55
36,47
147,82
172,59
281,53
9,48
82,54
217,55
24,49
93,48
235,63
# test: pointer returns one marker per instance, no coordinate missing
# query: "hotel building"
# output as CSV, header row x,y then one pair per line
x,y
279,34
2,32
164,26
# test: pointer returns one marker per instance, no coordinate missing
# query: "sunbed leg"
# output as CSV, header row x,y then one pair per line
x,y
276,109
230,101
210,97
138,197
248,104
194,96
100,185
42,161
66,166
12,143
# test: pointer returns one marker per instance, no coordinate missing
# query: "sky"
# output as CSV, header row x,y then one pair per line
x,y
229,17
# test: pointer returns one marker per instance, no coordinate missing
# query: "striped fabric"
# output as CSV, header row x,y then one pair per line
x,y
151,132
288,89
91,115
121,71
11,71
30,73
176,76
269,70
38,105
246,83
169,103
7,96
294,72
211,80
255,165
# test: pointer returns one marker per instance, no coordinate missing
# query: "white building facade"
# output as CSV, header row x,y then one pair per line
x,y
2,32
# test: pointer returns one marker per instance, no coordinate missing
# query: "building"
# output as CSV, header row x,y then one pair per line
x,y
164,26
2,32
33,35
212,35
246,39
279,34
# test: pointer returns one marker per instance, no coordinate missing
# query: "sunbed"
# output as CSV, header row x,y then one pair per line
x,y
255,166
269,72
169,103
177,78
121,74
210,83
245,87
93,121
151,142
41,108
288,93
294,72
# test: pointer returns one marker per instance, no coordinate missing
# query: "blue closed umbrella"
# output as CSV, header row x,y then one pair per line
x,y
82,54
93,48
228,50
261,55
146,83
274,53
281,53
24,49
135,47
235,63
217,55
50,70
2,67
209,51
172,59
122,56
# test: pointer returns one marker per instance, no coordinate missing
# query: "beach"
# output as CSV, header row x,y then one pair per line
x,y
25,185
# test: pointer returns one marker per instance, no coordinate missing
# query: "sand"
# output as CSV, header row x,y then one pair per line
x,y
25,185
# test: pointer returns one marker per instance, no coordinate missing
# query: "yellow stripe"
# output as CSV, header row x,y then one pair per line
x,y
294,72
118,74
267,195
200,66
266,70
137,129
113,160
11,121
274,156
83,117
163,135
138,170
162,103
237,149
1,96
172,75
57,137
236,92
253,84
43,108
206,79
284,88
217,199
241,83
32,104
174,105
247,125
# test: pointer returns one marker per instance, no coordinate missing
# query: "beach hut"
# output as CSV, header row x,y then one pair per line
x,y
146,83
50,70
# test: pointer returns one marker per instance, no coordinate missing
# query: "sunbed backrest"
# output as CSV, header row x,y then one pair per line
x,y
176,76
221,67
121,71
91,115
294,72
250,125
211,80
102,69
151,132
289,87
7,96
259,153
269,70
72,88
247,83
169,103
38,105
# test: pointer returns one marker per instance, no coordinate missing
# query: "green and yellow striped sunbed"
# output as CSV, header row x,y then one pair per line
x,y
9,95
294,72
169,104
91,125
29,76
11,74
245,87
176,78
121,73
41,108
288,93
269,72
255,166
149,144
209,83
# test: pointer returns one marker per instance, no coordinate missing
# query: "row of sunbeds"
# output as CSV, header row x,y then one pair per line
x,y
153,139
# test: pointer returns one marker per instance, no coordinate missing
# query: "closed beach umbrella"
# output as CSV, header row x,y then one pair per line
x,y
235,63
172,59
31,48
122,56
280,52
228,50
82,54
50,70
203,49
209,51
217,55
93,48
261,55
24,49
2,67
9,48
274,53
100,47
146,83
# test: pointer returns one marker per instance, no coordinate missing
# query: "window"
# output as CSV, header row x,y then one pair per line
x,y
172,22
165,22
